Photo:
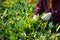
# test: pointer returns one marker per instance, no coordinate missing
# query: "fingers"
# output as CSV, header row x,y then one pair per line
x,y
34,17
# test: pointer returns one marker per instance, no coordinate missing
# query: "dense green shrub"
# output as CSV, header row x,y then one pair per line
x,y
16,23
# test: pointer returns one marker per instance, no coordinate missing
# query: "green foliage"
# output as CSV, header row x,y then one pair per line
x,y
16,22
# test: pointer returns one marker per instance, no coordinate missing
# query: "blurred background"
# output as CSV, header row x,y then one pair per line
x,y
16,22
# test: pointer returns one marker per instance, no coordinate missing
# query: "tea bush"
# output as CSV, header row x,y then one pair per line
x,y
16,22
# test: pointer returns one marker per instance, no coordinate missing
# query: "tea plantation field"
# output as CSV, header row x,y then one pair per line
x,y
16,22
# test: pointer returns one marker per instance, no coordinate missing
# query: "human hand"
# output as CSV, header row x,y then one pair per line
x,y
34,16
